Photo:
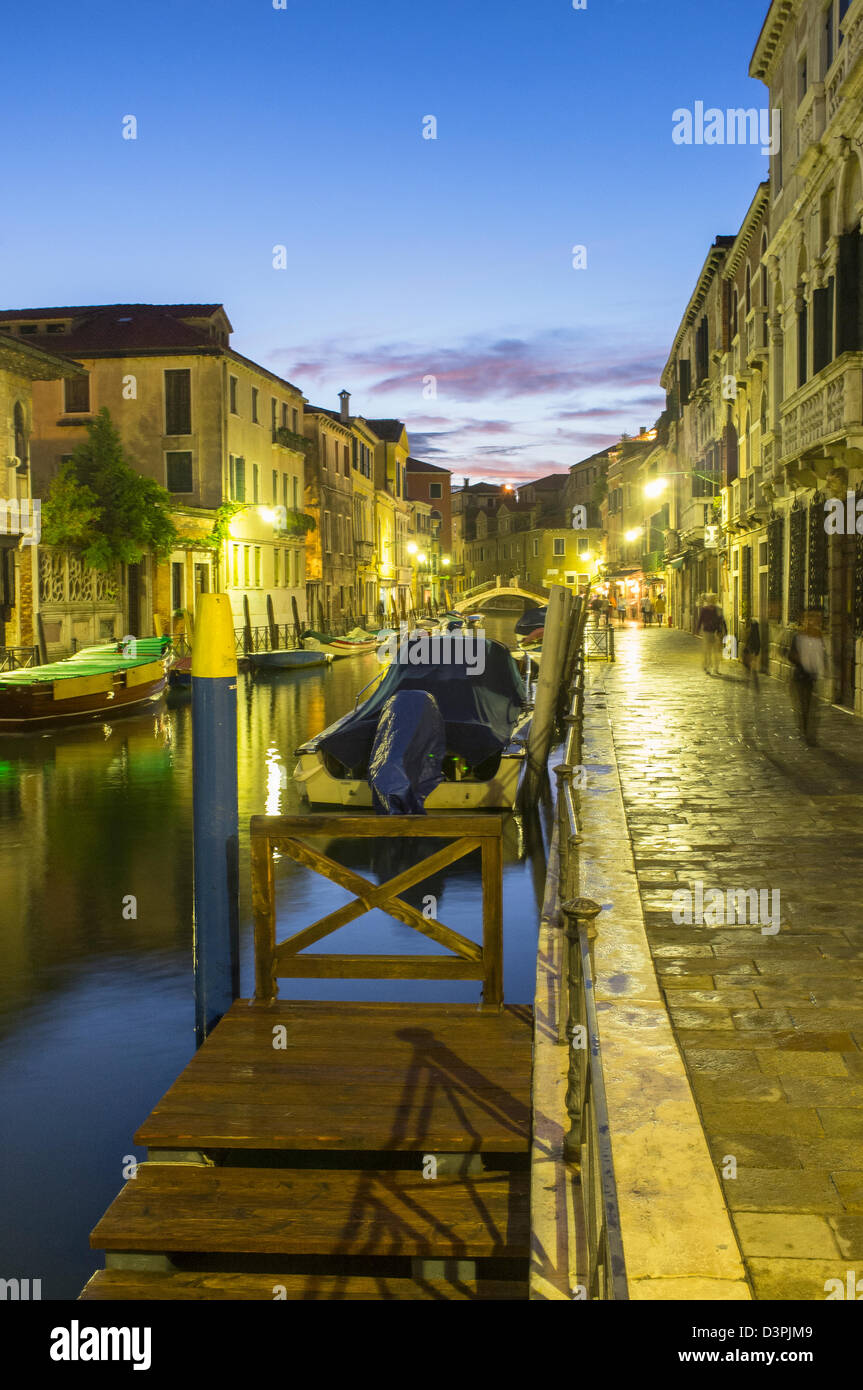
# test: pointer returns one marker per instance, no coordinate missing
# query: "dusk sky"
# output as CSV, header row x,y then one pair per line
x,y
406,257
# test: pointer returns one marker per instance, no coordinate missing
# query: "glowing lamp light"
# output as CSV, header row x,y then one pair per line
x,y
267,514
655,487
422,558
633,535
412,549
445,560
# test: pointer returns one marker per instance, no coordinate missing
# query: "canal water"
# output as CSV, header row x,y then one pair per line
x,y
96,1001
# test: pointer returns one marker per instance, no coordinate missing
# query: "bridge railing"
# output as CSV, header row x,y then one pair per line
x,y
587,1144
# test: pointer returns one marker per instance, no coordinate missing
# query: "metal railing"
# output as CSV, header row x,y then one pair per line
x,y
599,641
587,1145
18,658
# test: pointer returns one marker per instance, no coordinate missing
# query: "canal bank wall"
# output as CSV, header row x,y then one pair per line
x,y
677,1235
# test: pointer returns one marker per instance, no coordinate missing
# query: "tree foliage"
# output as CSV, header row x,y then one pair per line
x,y
99,506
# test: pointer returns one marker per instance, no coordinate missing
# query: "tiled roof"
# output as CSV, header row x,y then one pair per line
x,y
388,430
122,327
417,466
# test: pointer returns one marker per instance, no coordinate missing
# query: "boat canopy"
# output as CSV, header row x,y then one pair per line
x,y
479,701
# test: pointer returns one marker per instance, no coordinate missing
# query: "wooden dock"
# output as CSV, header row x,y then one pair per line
x,y
316,1150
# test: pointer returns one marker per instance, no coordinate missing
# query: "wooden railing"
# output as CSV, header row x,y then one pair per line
x,y
290,959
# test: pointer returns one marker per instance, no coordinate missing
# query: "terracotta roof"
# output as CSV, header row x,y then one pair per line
x,y
105,328
417,466
388,430
182,311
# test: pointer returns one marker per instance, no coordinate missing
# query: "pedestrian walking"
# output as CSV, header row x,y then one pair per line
x,y
659,608
621,608
808,663
612,606
646,612
712,624
752,652
596,608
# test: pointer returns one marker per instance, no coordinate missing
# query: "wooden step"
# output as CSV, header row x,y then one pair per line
x,y
128,1285
433,1078
173,1207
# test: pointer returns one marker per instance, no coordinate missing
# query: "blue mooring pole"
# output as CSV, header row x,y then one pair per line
x,y
216,815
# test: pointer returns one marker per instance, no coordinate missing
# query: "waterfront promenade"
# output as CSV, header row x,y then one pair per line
x,y
719,789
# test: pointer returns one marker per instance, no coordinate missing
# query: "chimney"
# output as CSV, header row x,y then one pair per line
x,y
466,483
344,406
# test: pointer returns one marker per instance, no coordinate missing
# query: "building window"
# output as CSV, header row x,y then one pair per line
x,y
328,539
559,545
324,454
255,405
296,491
246,554
274,407
284,416
275,488
255,471
569,578
236,565
76,395
257,567
536,549
276,554
285,491
296,419
239,479
435,489
803,77
56,328
178,402
178,471
233,394
583,545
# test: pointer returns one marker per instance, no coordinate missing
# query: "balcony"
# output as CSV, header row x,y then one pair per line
x,y
825,408
811,120
757,334
846,58
364,551
286,439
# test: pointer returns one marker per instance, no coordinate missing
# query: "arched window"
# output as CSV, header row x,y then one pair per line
x,y
748,287
20,433
763,415
765,277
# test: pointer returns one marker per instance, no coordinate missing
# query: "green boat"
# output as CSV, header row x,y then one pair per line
x,y
95,683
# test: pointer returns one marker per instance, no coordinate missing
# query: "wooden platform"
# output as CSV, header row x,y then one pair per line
x,y
309,1126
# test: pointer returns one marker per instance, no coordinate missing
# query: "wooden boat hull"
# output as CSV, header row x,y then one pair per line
x,y
338,649
499,793
30,707
293,660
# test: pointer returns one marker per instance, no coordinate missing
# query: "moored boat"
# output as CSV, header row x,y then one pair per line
x,y
435,734
297,658
96,682
355,643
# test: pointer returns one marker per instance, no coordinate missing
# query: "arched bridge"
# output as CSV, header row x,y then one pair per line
x,y
500,587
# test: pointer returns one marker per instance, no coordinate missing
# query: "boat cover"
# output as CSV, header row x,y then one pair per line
x,y
479,710
407,755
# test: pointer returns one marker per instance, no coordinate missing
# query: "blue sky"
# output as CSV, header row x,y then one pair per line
x,y
407,257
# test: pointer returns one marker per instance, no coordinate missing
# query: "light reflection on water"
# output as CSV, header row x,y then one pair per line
x,y
96,1007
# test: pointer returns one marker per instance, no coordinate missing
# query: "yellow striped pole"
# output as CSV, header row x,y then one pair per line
x,y
215,813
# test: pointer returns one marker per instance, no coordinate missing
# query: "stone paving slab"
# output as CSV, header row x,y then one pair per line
x,y
719,790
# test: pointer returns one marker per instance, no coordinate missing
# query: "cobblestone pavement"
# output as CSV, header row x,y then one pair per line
x,y
720,789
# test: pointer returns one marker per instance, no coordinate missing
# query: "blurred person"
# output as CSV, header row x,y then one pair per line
x,y
659,608
646,611
808,665
751,656
712,624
